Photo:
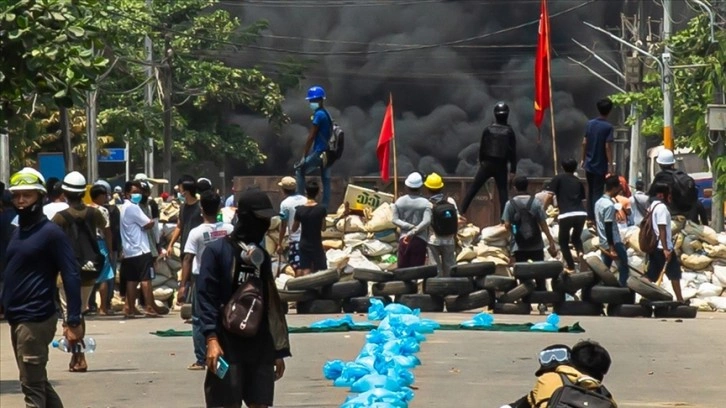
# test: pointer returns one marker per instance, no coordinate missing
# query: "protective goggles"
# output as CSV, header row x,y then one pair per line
x,y
25,179
559,355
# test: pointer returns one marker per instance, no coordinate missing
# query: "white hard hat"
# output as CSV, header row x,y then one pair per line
x,y
414,180
105,185
141,176
74,182
665,158
27,179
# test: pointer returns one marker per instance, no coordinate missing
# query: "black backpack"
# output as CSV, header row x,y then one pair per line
x,y
527,230
684,194
84,243
571,395
336,143
444,218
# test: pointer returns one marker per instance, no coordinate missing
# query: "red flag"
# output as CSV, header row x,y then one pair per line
x,y
542,68
383,151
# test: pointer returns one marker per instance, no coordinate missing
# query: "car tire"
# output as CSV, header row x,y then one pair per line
x,y
602,272
345,290
678,312
578,308
298,295
648,290
537,270
629,310
519,291
474,270
512,308
372,275
426,303
571,283
315,280
473,300
362,303
414,273
545,297
611,295
393,288
319,306
448,286
497,283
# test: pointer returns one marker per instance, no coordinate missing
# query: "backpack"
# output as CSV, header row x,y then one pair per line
x,y
527,232
242,314
684,193
444,218
336,142
84,244
647,239
571,395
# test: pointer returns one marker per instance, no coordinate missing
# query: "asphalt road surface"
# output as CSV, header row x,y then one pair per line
x,y
656,363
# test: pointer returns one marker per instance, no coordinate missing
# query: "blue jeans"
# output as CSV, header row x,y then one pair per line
x,y
200,343
622,264
310,164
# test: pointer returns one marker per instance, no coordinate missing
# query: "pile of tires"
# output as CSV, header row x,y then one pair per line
x,y
515,295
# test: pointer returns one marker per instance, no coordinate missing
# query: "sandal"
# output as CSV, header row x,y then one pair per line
x,y
196,367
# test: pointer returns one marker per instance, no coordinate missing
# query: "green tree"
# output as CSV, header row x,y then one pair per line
x,y
693,90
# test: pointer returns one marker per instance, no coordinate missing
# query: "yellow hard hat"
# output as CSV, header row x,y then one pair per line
x,y
434,182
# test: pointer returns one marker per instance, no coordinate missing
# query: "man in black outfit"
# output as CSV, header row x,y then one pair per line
x,y
498,146
311,218
255,363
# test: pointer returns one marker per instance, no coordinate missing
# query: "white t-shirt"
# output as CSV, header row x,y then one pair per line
x,y
287,213
51,209
134,240
200,236
661,216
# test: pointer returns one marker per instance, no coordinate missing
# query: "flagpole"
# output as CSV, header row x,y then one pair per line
x,y
552,99
395,157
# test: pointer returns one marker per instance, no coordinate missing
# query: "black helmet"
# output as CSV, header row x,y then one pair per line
x,y
501,112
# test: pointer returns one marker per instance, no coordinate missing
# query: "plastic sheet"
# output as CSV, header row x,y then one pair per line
x,y
551,325
346,320
479,320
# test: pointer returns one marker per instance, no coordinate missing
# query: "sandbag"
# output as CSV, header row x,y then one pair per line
x,y
337,259
466,254
719,273
381,219
358,261
687,245
695,262
274,223
717,303
374,247
332,233
708,289
494,234
483,250
163,293
703,232
352,223
497,261
631,239
715,251
590,245
702,305
332,244
354,239
387,236
468,234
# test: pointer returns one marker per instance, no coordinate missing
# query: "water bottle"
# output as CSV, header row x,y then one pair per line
x,y
62,345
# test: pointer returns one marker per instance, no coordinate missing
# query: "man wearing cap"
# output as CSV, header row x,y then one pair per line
x,y
316,144
412,214
287,217
255,363
442,248
38,249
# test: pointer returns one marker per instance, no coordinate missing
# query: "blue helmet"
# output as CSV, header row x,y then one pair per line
x,y
315,92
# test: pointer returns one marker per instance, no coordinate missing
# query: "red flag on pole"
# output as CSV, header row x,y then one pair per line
x,y
383,151
542,90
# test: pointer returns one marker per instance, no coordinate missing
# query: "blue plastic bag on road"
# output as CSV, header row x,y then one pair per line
x,y
333,369
379,336
551,325
371,381
376,310
346,320
479,320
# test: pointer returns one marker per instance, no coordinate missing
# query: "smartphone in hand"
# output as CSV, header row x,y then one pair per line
x,y
222,367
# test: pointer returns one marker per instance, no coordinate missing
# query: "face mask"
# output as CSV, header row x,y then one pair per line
x,y
314,106
29,215
180,197
136,198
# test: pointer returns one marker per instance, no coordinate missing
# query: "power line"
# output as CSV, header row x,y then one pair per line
x,y
377,3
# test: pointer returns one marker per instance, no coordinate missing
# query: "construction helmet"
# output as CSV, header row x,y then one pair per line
x,y
105,185
27,179
74,182
434,182
501,111
315,92
665,158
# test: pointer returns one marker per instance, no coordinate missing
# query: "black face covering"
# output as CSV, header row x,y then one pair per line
x,y
31,214
144,199
250,229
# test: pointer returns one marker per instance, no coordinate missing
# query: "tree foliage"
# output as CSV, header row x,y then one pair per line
x,y
693,90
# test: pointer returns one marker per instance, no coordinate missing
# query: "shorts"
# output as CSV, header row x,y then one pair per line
x,y
656,261
137,268
313,259
251,383
293,255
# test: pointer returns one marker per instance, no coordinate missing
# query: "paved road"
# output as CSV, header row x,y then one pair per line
x,y
656,364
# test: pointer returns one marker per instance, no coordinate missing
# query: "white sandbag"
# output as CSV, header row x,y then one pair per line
x,y
332,244
352,223
703,232
722,238
688,293
332,233
695,262
496,233
357,260
466,254
701,304
631,239
354,239
717,303
381,219
386,236
374,247
163,293
337,259
275,223
496,260
468,234
281,281
160,280
719,273
330,221
161,268
715,251
708,289
637,262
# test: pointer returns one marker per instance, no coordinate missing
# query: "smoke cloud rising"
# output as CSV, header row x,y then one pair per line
x,y
443,96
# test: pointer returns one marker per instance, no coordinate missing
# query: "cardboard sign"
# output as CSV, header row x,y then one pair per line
x,y
359,198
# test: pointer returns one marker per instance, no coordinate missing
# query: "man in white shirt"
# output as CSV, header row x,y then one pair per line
x,y
210,230
57,201
664,258
639,203
287,216
137,262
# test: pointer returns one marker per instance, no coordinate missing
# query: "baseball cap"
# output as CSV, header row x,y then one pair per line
x,y
257,202
288,183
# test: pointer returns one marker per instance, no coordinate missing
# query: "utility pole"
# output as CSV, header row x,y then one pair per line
x,y
4,151
168,107
149,97
66,137
92,139
667,77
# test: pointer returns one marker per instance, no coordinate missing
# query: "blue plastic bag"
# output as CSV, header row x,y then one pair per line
x,y
379,336
479,320
376,311
551,325
397,308
371,381
325,323
333,369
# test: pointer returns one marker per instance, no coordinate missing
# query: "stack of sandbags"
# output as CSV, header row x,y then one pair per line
x,y
165,281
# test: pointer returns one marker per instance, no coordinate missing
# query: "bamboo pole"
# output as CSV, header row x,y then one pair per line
x,y
552,101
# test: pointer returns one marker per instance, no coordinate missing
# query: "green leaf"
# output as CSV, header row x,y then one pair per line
x,y
76,31
60,93
15,34
9,17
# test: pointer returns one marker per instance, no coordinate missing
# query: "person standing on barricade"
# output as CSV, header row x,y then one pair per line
x,y
288,208
310,222
316,145
597,154
412,214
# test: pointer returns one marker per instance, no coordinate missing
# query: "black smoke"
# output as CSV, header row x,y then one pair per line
x,y
443,96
